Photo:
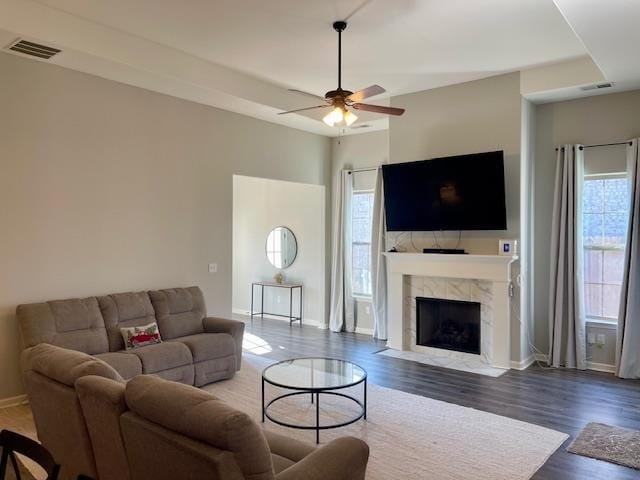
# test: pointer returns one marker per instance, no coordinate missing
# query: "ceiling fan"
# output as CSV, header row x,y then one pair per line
x,y
340,99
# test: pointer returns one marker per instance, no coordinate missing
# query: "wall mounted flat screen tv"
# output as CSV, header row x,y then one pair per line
x,y
465,192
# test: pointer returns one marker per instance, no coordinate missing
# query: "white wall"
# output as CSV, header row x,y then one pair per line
x,y
471,117
259,205
594,120
106,187
478,116
526,245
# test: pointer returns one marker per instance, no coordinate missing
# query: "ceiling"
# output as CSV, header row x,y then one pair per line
x,y
611,34
404,45
242,55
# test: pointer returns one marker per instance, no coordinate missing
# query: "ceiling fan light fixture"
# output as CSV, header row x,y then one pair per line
x,y
339,99
349,118
334,116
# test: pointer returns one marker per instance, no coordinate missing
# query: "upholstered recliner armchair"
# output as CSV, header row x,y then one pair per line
x,y
173,431
50,373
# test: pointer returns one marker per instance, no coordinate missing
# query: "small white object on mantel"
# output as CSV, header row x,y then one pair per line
x,y
495,269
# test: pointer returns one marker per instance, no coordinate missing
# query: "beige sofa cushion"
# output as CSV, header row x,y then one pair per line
x,y
126,364
163,356
207,346
76,324
173,456
124,310
179,311
201,416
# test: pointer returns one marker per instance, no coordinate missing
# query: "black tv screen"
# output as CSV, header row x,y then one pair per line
x,y
465,192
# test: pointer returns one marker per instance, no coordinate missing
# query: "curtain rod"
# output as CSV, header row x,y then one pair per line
x,y
367,169
582,147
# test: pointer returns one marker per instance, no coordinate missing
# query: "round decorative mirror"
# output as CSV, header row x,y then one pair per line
x,y
281,247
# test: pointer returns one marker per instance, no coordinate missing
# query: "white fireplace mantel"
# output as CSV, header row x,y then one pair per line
x,y
492,268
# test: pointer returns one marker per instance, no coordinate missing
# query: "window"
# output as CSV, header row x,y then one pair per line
x,y
361,222
605,215
274,248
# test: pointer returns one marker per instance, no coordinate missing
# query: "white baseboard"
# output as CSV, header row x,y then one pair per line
x,y
601,367
364,331
598,367
13,401
523,364
542,357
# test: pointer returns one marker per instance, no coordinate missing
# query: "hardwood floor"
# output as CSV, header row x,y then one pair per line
x,y
564,400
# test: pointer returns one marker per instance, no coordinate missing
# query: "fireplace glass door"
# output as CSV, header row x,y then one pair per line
x,y
448,324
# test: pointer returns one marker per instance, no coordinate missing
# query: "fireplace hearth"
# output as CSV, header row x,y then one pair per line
x,y
448,324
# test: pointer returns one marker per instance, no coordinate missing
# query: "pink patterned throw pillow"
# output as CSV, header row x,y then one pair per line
x,y
135,337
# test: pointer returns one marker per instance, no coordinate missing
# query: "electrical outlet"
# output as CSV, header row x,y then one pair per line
x,y
600,339
213,267
591,338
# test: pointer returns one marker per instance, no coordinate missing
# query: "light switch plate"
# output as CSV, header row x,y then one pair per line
x,y
507,247
213,267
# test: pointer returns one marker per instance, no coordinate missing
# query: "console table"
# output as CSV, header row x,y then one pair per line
x,y
291,287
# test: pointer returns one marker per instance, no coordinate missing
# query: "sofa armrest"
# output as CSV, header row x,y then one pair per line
x,y
232,327
102,402
287,447
344,458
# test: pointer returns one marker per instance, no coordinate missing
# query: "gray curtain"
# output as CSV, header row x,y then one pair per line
x,y
628,347
341,315
567,345
378,263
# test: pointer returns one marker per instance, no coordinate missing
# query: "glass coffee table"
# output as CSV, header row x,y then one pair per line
x,y
314,376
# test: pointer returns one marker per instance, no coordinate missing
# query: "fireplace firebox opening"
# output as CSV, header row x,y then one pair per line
x,y
448,324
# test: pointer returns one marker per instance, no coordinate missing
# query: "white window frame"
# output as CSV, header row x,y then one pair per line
x,y
358,295
596,320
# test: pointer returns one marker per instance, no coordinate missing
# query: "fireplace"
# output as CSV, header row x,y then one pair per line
x,y
448,324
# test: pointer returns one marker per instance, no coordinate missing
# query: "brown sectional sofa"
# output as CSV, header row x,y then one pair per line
x,y
96,424
195,350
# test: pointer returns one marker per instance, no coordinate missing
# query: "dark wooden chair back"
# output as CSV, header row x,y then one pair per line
x,y
12,443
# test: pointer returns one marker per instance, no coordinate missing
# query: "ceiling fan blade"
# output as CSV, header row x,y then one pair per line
x,y
317,97
303,109
378,109
366,93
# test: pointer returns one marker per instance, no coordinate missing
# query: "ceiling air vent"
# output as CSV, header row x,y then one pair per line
x,y
363,125
32,49
597,86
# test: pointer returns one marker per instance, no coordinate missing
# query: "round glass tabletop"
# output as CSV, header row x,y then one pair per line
x,y
314,374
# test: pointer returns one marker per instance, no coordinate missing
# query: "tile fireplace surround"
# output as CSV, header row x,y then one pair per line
x,y
478,278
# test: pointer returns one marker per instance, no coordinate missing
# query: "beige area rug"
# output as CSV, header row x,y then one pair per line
x,y
410,437
612,444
